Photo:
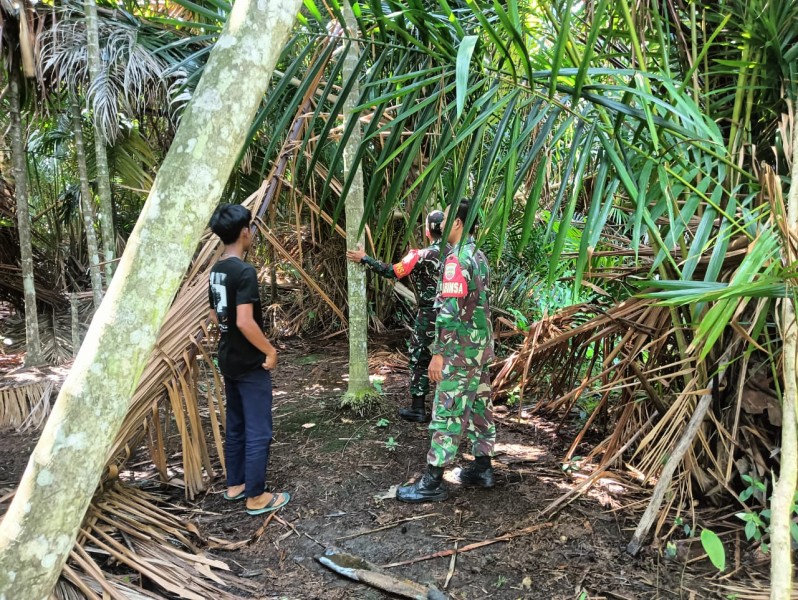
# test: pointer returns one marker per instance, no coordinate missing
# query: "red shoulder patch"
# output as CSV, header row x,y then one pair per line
x,y
454,282
404,268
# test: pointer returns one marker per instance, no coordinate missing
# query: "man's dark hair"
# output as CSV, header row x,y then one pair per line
x,y
228,220
462,214
435,224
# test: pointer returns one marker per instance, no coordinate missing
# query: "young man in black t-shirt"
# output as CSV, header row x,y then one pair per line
x,y
246,358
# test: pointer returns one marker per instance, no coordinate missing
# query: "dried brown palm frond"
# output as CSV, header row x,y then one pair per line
x,y
55,330
38,413
387,361
754,589
167,392
11,287
632,366
314,207
310,281
26,394
125,527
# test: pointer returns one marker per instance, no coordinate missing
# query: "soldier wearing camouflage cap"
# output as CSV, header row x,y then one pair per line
x,y
423,268
462,350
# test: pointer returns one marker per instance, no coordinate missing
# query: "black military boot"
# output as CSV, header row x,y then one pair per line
x,y
479,473
417,411
430,488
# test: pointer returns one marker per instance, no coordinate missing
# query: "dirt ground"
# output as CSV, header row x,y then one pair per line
x,y
337,466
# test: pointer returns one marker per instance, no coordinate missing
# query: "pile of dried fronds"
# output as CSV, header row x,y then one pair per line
x,y
627,368
304,280
58,331
125,527
26,395
50,273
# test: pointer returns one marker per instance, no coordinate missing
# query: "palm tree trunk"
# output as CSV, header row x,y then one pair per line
x,y
101,157
356,276
75,322
781,504
33,343
43,520
87,207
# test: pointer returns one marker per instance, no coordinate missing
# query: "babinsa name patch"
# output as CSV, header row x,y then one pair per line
x,y
454,282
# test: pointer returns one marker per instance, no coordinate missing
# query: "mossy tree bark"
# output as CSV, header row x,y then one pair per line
x,y
356,276
87,207
33,345
101,156
41,524
781,507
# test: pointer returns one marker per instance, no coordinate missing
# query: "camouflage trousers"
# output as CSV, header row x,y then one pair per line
x,y
462,405
421,339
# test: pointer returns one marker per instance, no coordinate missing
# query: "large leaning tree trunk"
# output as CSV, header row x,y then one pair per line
x,y
41,524
87,206
33,343
101,156
359,384
781,570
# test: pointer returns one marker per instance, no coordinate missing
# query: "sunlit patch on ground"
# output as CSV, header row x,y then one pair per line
x,y
519,452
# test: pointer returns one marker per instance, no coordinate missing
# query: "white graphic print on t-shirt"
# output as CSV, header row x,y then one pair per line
x,y
220,299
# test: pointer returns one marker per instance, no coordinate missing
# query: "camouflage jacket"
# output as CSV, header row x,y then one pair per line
x,y
422,267
463,327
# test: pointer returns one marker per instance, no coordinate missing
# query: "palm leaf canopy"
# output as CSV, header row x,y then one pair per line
x,y
627,142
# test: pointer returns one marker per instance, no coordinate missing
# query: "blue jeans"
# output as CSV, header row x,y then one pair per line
x,y
248,432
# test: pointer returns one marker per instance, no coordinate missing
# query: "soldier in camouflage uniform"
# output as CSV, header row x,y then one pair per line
x,y
423,268
462,350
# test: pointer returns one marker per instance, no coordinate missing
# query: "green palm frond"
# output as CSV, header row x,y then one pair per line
x,y
133,78
540,106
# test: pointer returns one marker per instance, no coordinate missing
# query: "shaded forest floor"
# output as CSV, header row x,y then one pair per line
x,y
337,465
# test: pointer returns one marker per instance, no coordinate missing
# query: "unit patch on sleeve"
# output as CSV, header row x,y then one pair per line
x,y
454,282
404,268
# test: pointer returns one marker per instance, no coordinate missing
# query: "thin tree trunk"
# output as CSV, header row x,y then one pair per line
x,y
101,157
784,491
75,322
356,276
42,522
87,207
33,344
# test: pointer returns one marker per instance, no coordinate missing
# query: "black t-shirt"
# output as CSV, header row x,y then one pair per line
x,y
234,282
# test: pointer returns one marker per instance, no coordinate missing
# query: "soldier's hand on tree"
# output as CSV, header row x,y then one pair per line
x,y
270,362
435,370
355,255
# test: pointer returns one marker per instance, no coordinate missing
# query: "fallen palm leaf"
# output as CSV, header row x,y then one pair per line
x,y
356,568
26,394
127,526
569,496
